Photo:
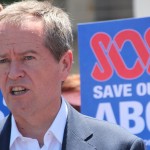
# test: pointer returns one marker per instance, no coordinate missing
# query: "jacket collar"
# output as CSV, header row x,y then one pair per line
x,y
77,133
5,135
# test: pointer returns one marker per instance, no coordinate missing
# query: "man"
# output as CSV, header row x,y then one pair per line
x,y
35,59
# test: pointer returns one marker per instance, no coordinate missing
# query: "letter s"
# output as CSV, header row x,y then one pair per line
x,y
102,69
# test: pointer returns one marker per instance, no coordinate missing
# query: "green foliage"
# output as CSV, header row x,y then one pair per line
x,y
8,1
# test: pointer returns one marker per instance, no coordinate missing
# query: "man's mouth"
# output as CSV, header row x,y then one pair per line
x,y
18,90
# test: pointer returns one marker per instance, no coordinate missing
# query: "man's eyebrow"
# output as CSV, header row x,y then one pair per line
x,y
27,52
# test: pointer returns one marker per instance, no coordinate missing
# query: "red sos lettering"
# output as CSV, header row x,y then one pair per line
x,y
107,50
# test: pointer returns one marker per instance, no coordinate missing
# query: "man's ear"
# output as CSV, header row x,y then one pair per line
x,y
66,64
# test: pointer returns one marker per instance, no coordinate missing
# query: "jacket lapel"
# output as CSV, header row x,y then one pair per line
x,y
5,135
77,134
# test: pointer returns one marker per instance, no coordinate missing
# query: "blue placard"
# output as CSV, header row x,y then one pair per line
x,y
115,73
3,108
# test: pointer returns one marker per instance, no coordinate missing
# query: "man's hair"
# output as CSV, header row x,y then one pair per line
x,y
57,27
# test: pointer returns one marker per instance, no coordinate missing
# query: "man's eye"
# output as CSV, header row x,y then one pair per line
x,y
2,61
28,57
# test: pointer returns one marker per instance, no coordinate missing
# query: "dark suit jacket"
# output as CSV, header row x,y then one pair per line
x,y
85,133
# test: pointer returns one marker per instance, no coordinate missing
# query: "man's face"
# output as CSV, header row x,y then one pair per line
x,y
30,77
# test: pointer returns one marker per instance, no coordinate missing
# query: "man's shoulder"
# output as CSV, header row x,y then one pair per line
x,y
101,134
101,126
106,132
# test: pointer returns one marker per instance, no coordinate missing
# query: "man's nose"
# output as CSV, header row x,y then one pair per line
x,y
15,71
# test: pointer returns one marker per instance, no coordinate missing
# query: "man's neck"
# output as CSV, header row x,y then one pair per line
x,y
35,126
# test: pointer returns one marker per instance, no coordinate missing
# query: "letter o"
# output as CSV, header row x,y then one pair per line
x,y
141,89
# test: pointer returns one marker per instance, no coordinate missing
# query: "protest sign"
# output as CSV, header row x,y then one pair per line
x,y
115,73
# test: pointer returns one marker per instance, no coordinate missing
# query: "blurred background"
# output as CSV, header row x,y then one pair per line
x,y
82,11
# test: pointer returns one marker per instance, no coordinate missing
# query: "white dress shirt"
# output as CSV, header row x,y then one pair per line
x,y
52,139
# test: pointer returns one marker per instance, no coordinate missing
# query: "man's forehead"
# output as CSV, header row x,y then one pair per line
x,y
33,28
25,21
13,36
